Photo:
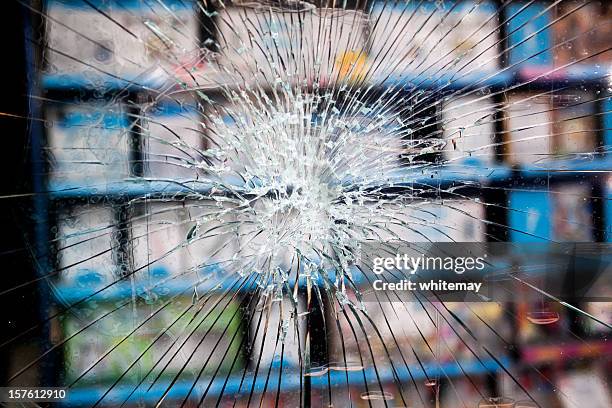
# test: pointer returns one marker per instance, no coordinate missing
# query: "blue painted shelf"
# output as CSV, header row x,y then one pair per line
x,y
86,396
536,77
468,171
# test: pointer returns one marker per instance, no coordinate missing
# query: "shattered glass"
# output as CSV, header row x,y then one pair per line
x,y
215,171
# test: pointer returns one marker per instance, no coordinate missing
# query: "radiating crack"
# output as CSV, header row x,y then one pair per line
x,y
220,172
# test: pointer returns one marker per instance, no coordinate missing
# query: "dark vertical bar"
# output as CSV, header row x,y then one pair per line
x,y
499,99
599,190
499,118
136,143
20,307
598,209
50,370
307,396
492,385
497,199
122,237
318,345
207,26
136,168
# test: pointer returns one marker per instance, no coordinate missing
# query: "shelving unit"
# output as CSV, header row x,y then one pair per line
x,y
289,383
528,61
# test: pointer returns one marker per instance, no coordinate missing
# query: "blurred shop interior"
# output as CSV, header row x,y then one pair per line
x,y
55,195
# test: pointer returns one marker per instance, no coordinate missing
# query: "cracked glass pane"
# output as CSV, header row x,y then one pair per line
x,y
298,203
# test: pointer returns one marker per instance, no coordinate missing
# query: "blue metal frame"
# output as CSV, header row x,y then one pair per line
x,y
530,20
88,395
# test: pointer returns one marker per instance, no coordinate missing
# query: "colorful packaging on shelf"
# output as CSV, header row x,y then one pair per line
x,y
528,215
542,127
85,252
575,124
175,140
528,138
88,143
584,388
167,345
601,309
429,38
127,41
261,41
469,129
456,220
274,333
174,240
572,213
582,32
537,215
158,240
